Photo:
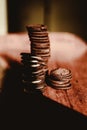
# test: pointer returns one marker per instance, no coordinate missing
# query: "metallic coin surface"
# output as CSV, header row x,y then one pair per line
x,y
36,28
59,78
61,74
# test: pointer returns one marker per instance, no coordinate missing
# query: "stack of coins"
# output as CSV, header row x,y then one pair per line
x,y
34,70
59,78
40,45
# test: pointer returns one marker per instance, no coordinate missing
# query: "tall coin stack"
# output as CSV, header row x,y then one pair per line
x,y
40,45
35,63
33,73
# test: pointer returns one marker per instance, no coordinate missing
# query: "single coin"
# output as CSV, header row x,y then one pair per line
x,y
38,38
39,34
41,51
37,28
60,74
40,45
59,82
59,85
42,55
61,71
63,88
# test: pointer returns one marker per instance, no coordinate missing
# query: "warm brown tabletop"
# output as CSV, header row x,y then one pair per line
x,y
70,51
75,97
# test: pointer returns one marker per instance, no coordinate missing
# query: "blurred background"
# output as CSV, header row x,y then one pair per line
x,y
58,15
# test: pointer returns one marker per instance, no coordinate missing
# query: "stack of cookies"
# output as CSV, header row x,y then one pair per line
x,y
33,77
59,78
40,45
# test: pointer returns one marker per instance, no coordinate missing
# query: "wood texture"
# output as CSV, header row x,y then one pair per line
x,y
76,97
74,58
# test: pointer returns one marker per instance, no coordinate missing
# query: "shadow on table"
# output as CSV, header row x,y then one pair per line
x,y
30,111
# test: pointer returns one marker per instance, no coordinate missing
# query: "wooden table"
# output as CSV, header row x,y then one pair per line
x,y
75,97
75,58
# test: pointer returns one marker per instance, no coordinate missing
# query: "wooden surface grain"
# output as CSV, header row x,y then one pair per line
x,y
67,50
75,97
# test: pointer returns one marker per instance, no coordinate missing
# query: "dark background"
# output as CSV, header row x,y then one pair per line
x,y
58,15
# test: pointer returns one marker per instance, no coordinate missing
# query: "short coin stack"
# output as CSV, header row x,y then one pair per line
x,y
59,78
33,71
40,45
